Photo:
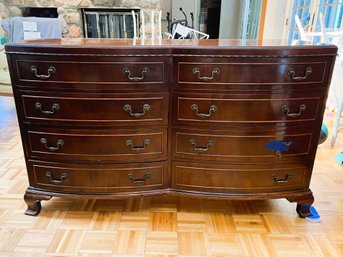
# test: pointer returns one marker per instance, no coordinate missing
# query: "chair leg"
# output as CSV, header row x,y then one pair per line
x,y
337,124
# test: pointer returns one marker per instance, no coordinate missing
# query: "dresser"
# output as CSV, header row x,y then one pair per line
x,y
207,118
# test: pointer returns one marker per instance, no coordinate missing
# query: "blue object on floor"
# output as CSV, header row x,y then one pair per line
x,y
315,217
339,158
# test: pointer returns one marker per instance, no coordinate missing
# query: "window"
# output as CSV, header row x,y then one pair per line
x,y
308,12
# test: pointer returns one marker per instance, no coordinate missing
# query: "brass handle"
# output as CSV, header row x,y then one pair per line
x,y
54,180
55,107
51,70
129,143
201,149
215,72
286,110
44,142
291,73
128,108
212,109
138,181
282,181
128,72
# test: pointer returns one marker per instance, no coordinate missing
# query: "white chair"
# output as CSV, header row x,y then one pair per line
x,y
184,32
324,34
150,24
307,36
303,36
336,91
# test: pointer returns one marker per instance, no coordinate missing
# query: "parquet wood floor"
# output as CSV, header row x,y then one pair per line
x,y
164,226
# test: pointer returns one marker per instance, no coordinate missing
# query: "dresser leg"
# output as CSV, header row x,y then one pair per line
x,y
33,203
303,204
303,210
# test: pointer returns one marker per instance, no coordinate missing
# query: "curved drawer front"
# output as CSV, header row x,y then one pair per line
x,y
98,178
116,110
204,110
113,73
90,72
98,145
212,145
250,72
237,179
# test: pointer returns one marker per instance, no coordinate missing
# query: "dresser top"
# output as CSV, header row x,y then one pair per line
x,y
167,46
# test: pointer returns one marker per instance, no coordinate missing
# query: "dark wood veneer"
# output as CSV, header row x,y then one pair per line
x,y
246,109
230,145
231,72
95,109
96,178
213,106
238,179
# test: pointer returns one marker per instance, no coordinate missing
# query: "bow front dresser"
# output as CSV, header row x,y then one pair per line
x,y
207,118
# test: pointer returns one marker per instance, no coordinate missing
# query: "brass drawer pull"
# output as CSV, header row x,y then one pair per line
x,y
201,149
54,180
212,109
291,73
138,181
282,181
286,110
55,107
128,72
128,108
44,142
51,70
215,72
129,143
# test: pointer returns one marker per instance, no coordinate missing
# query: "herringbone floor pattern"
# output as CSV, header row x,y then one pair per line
x,y
164,226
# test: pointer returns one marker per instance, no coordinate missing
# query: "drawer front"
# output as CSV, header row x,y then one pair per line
x,y
98,178
117,110
231,145
90,72
238,179
116,145
230,109
130,73
254,71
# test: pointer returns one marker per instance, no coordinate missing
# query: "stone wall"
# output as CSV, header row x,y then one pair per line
x,y
4,13
69,10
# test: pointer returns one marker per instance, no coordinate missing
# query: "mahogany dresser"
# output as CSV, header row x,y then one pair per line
x,y
210,118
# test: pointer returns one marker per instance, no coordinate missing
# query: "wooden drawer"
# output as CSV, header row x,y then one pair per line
x,y
251,71
199,109
127,73
114,109
100,178
96,145
245,74
238,179
273,145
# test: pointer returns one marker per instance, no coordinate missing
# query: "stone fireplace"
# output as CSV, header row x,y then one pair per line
x,y
69,11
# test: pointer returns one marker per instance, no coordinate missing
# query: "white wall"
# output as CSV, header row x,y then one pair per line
x,y
275,19
229,19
